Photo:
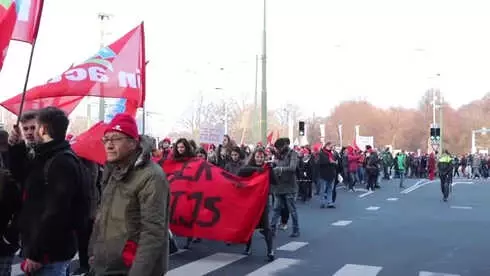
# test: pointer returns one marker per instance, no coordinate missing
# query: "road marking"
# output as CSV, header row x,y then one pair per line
x,y
464,183
372,208
342,223
206,265
392,199
417,185
361,190
16,270
462,207
341,187
425,273
292,246
358,270
178,252
273,268
366,194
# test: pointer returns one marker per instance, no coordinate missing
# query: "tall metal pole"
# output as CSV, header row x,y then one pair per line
x,y
434,98
263,120
441,107
255,117
102,17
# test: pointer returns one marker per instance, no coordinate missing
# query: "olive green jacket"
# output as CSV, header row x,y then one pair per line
x,y
134,207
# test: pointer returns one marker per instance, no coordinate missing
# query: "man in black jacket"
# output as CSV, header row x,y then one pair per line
x,y
327,172
51,187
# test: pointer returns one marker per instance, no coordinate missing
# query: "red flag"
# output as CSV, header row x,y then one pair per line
x,y
89,144
116,71
67,103
7,23
28,18
208,202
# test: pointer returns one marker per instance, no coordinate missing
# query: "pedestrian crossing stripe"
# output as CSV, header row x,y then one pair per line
x,y
292,246
358,270
206,265
425,273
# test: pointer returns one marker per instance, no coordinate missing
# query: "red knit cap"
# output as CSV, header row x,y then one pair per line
x,y
125,124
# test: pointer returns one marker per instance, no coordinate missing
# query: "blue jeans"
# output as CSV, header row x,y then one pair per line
x,y
328,192
285,201
54,269
402,178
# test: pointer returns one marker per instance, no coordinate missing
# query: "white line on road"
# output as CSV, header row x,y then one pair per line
x,y
464,183
392,199
462,207
273,268
366,194
292,246
178,252
342,223
361,190
417,185
426,273
372,208
358,270
206,265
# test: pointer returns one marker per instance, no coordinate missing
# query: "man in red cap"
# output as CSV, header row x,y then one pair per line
x,y
132,221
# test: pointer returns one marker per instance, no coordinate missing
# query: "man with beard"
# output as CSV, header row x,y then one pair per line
x,y
285,166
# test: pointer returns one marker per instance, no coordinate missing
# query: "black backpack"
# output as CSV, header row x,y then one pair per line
x,y
82,199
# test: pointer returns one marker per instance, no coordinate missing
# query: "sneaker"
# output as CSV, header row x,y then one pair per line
x,y
283,227
331,206
294,235
270,256
247,251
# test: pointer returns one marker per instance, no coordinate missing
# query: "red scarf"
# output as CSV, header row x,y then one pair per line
x,y
329,153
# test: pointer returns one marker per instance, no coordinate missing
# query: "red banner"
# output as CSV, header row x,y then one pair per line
x,y
7,23
116,71
210,203
28,18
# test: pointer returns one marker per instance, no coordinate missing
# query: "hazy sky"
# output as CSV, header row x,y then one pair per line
x,y
320,51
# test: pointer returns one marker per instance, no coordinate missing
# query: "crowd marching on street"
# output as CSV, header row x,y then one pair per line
x,y
55,204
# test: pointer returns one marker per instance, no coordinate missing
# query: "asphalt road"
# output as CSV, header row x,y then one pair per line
x,y
390,232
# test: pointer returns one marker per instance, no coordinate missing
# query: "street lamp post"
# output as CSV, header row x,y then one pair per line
x,y
263,119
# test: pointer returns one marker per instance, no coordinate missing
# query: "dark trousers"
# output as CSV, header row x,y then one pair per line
x,y
266,232
284,215
83,237
371,182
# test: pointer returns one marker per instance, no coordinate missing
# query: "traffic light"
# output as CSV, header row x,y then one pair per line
x,y
435,134
301,128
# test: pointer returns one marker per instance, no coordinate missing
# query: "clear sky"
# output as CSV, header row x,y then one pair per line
x,y
320,51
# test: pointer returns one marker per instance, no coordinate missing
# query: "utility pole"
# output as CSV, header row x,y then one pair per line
x,y
441,106
255,117
263,120
103,17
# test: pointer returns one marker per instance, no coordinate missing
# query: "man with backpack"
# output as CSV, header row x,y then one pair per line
x,y
55,203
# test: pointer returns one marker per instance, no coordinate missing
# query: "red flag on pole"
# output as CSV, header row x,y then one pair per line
x,y
7,24
116,71
28,18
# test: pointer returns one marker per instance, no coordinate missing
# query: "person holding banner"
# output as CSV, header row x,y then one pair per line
x,y
131,233
287,188
183,152
256,164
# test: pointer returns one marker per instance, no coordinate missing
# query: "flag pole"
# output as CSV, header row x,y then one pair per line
x,y
26,82
143,128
